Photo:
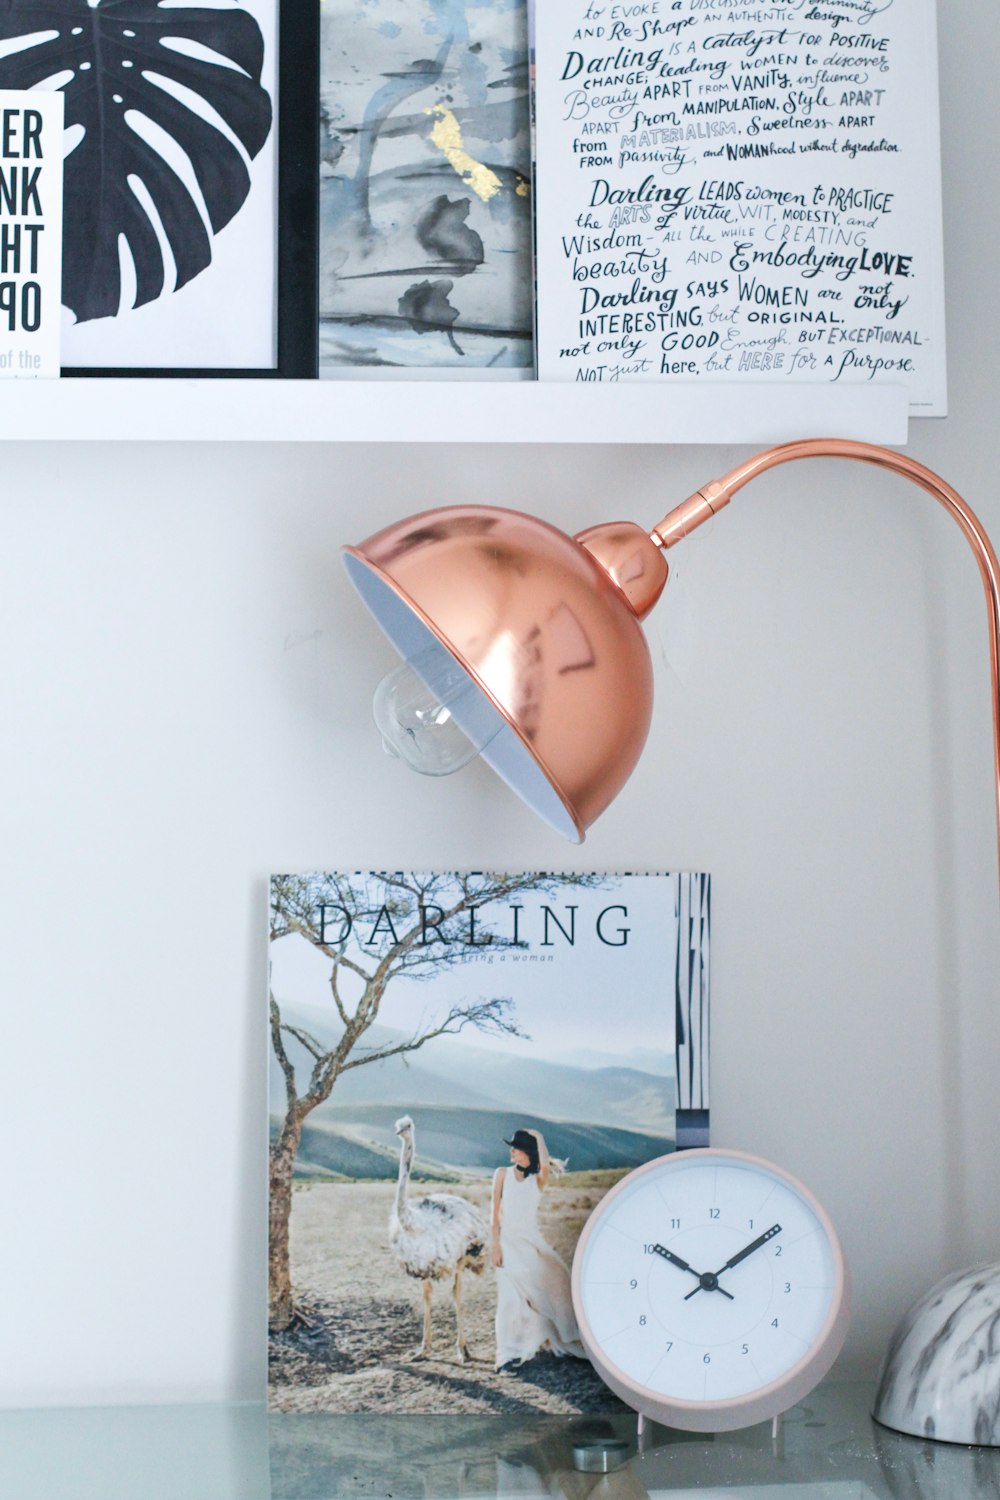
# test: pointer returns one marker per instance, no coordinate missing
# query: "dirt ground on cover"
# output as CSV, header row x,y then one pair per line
x,y
353,1350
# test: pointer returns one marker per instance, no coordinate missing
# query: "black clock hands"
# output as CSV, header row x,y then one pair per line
x,y
709,1280
705,1278
674,1260
761,1239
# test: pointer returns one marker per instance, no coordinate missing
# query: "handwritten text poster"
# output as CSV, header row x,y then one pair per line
x,y
739,192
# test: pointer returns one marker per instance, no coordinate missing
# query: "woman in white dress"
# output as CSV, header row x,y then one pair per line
x,y
534,1306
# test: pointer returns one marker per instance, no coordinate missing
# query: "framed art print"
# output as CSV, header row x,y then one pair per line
x,y
742,196
31,169
189,209
424,190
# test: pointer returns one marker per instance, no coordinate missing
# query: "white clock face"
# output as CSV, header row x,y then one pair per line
x,y
706,1277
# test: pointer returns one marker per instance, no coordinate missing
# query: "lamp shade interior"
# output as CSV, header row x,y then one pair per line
x,y
477,715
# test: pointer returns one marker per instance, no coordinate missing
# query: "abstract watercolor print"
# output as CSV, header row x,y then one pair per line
x,y
166,112
425,208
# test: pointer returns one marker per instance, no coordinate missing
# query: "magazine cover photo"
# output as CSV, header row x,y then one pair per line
x,y
460,1067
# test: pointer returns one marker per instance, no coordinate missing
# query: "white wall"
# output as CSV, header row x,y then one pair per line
x,y
184,685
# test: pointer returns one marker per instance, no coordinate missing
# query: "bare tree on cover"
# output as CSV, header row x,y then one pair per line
x,y
298,904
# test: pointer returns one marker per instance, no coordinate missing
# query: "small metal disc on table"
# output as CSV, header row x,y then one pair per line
x,y
600,1455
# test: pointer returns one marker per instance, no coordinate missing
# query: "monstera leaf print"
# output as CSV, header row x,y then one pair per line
x,y
140,71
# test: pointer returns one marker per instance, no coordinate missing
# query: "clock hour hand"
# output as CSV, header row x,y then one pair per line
x,y
734,1260
674,1260
707,1281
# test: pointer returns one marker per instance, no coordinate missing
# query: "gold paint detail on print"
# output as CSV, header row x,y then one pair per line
x,y
447,136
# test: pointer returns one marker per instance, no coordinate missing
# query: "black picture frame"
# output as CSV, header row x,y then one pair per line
x,y
297,209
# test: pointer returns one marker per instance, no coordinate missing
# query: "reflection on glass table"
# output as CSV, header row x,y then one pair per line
x,y
819,1489
828,1448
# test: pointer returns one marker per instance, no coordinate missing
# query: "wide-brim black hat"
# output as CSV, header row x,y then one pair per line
x,y
523,1141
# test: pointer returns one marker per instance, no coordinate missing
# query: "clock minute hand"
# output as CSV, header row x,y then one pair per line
x,y
761,1239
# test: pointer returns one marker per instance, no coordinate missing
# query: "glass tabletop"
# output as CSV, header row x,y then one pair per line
x,y
828,1448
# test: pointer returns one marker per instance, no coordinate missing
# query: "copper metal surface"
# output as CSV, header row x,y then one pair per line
x,y
541,627
547,625
633,560
683,519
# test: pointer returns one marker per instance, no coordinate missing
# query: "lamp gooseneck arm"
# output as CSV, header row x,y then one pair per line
x,y
704,504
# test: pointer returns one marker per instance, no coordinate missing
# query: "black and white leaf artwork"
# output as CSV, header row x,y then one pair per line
x,y
138,76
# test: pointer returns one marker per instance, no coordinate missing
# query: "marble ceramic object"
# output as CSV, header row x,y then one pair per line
x,y
941,1374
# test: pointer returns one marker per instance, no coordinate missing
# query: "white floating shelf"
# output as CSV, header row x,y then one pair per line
x,y
445,411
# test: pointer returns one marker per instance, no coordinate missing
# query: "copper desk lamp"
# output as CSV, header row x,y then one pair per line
x,y
524,645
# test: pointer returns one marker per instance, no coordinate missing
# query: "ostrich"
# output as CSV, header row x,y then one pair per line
x,y
434,1237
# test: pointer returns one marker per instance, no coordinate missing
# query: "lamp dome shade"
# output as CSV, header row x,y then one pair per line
x,y
541,627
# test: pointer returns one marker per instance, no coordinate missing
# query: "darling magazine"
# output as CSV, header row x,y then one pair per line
x,y
461,1065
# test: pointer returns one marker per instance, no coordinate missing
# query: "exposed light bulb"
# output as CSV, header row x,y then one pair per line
x,y
438,729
